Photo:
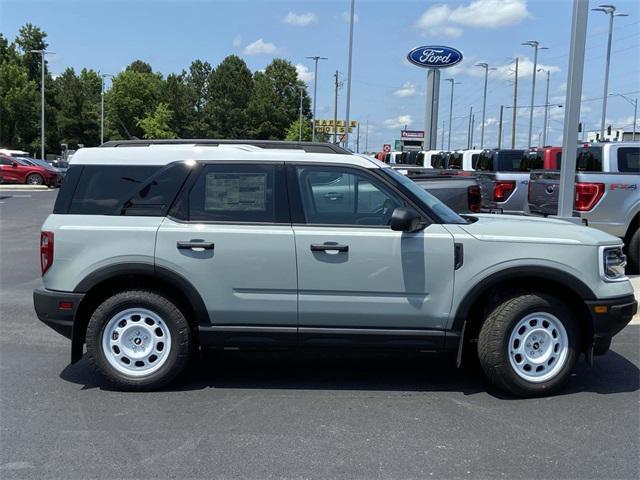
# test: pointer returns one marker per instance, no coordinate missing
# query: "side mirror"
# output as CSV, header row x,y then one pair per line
x,y
14,164
406,220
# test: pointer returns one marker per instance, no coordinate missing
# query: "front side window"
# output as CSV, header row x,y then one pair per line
x,y
237,194
589,159
344,196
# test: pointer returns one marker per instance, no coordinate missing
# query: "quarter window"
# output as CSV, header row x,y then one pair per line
x,y
336,196
629,159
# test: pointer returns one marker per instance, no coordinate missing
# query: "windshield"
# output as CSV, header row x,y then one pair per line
x,y
41,163
432,203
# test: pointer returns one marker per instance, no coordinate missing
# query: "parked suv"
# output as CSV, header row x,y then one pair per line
x,y
152,252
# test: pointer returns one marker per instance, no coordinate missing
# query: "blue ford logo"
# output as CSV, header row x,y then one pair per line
x,y
437,56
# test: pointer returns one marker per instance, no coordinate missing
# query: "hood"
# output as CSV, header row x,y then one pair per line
x,y
514,228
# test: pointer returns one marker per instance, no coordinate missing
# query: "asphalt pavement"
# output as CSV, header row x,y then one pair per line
x,y
291,415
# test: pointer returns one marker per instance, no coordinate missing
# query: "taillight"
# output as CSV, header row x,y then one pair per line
x,y
587,195
502,190
474,197
46,251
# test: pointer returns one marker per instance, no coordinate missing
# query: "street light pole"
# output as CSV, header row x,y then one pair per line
x,y
484,99
347,120
42,53
300,117
536,46
453,82
611,11
546,109
315,92
102,77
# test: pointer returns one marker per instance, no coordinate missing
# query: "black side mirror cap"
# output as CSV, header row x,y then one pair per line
x,y
406,220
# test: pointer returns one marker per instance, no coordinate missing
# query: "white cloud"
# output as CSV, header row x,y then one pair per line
x,y
346,16
304,73
398,122
260,47
505,71
442,20
407,90
300,19
237,41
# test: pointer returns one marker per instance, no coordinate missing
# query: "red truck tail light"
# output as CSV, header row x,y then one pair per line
x,y
46,251
587,195
474,197
502,190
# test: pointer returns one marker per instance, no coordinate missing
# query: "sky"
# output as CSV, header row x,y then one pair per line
x,y
387,92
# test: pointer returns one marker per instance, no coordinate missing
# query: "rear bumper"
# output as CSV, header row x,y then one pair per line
x,y
616,314
57,309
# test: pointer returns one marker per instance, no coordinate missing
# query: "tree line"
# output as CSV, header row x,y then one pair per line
x,y
226,101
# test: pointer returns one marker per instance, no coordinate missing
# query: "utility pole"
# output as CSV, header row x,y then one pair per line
x,y
42,54
442,137
635,110
347,120
546,110
536,46
453,82
515,109
335,109
473,126
469,134
300,117
500,128
484,99
611,11
102,77
315,92
366,137
358,138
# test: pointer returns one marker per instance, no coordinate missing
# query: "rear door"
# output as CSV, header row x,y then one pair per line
x,y
230,236
356,276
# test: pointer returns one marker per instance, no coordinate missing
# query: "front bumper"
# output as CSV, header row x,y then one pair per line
x,y
57,309
611,315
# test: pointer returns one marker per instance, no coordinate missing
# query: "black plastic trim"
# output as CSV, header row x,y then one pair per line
x,y
620,311
47,306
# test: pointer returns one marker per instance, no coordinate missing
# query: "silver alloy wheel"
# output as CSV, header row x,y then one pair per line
x,y
136,342
538,347
34,179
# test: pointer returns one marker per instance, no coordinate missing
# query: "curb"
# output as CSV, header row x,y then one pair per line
x,y
28,188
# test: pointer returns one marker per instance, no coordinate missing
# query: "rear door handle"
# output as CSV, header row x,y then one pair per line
x,y
195,245
323,247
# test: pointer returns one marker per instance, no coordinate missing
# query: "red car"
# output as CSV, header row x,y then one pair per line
x,y
14,170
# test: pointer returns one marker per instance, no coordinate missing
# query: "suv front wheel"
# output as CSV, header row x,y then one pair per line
x,y
529,344
139,340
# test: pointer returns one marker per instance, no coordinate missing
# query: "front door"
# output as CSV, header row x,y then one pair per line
x,y
235,244
355,274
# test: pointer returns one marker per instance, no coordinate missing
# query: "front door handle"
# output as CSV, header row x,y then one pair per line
x,y
323,247
195,245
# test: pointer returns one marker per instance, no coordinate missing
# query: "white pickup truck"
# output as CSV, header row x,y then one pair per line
x,y
607,193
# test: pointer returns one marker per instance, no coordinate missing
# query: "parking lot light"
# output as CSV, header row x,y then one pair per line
x,y
536,46
102,77
315,92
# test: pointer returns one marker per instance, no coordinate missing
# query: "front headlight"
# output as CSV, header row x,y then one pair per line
x,y
612,263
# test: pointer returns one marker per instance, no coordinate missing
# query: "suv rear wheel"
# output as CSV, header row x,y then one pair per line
x,y
139,340
529,344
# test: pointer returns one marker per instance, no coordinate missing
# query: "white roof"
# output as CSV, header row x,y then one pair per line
x,y
164,154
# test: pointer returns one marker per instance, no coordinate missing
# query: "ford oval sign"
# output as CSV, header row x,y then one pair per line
x,y
437,56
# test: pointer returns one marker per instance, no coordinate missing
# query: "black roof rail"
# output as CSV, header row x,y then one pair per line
x,y
311,147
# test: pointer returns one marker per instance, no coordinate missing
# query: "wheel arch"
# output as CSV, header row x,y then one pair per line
x,y
106,281
471,310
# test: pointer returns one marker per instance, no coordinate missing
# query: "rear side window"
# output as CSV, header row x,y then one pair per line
x,y
455,161
437,161
239,194
531,161
589,159
485,162
510,160
629,159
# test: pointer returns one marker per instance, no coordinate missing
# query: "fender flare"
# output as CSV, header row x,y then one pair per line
x,y
577,286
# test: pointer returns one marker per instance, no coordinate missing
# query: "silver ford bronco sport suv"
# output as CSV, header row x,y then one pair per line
x,y
153,252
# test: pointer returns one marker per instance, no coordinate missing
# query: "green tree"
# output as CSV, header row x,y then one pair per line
x,y
133,96
197,82
139,66
293,133
78,101
19,112
229,93
156,125
30,38
276,100
176,94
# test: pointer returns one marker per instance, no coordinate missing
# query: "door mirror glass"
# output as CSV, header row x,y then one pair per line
x,y
406,220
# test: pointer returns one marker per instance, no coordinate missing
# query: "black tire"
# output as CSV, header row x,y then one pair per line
x,y
633,253
34,179
181,339
493,343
